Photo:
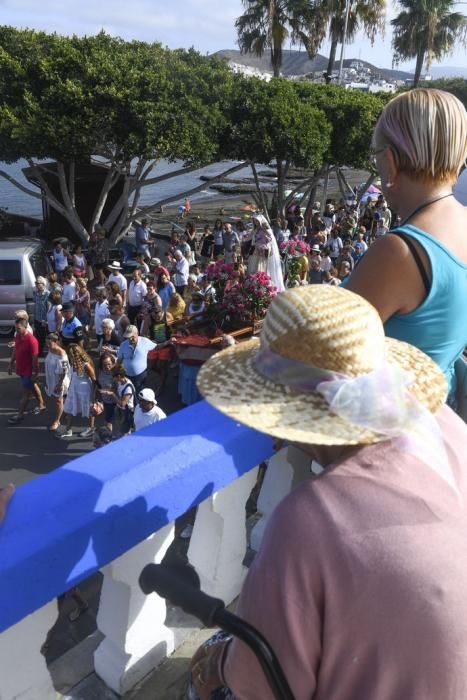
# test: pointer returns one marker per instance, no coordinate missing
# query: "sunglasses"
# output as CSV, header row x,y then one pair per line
x,y
374,152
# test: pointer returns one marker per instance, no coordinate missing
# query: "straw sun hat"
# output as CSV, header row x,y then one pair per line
x,y
317,326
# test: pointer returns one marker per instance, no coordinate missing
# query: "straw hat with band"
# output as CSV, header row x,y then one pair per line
x,y
324,373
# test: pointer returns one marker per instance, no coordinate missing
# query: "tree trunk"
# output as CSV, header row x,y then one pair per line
x,y
66,208
325,187
276,59
282,170
311,182
371,179
110,181
264,205
309,206
345,182
332,58
418,66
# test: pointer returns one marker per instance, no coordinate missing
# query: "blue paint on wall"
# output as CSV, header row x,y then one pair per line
x,y
66,525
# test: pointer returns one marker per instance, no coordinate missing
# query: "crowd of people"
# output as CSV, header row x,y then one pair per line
x,y
355,367
91,304
94,357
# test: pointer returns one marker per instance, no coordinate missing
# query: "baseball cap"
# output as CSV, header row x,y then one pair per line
x,y
68,306
129,331
147,395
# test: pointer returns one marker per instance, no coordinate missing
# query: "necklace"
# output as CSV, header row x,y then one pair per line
x,y
423,206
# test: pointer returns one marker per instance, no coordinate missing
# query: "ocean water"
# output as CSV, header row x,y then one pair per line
x,y
17,202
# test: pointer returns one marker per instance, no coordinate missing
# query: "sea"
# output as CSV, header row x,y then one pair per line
x,y
17,202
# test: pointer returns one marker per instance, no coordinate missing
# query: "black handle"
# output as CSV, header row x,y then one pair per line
x,y
180,585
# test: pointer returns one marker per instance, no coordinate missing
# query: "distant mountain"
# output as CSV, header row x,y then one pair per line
x,y
448,72
298,63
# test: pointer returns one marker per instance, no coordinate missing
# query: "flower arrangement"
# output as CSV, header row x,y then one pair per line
x,y
250,300
294,248
293,272
219,273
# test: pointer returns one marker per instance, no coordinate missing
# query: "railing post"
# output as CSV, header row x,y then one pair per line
x,y
136,638
218,543
285,471
23,671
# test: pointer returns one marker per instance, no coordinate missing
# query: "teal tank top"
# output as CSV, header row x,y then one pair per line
x,y
439,325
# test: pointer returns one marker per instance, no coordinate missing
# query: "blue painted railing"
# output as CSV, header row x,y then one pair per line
x,y
66,525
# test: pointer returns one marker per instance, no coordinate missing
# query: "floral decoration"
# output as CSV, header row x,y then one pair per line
x,y
250,300
294,248
219,273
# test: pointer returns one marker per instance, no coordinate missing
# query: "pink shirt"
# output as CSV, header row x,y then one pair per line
x,y
361,582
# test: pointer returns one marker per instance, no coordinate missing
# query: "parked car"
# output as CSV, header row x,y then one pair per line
x,y
21,261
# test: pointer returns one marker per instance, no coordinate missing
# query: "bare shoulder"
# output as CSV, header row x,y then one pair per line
x,y
388,277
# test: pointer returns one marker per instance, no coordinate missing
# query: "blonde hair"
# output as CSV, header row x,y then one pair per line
x,y
78,357
21,314
176,305
426,130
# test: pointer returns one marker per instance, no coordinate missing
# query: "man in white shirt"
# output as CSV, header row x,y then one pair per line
x,y
116,276
147,412
329,216
334,245
360,247
136,293
383,220
182,270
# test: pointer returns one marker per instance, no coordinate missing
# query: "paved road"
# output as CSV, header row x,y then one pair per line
x,y
28,449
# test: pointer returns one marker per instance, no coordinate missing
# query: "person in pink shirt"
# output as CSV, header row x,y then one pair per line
x,y
360,582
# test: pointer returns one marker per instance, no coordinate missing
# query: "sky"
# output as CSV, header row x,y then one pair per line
x,y
208,25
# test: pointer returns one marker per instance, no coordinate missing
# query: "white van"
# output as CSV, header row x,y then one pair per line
x,y
21,261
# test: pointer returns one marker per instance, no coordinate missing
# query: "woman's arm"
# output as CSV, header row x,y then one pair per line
x,y
90,371
124,399
58,320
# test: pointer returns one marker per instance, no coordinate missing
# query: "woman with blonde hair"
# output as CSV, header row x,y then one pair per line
x,y
416,276
176,306
80,393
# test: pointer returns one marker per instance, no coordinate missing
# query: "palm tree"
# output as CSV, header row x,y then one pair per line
x,y
368,15
267,24
426,30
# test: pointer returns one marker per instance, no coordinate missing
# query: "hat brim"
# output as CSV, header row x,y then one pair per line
x,y
230,382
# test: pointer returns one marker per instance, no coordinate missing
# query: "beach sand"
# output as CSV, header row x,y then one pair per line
x,y
231,207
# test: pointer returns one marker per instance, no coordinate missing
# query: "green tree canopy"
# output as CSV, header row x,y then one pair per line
x,y
125,105
270,122
352,115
